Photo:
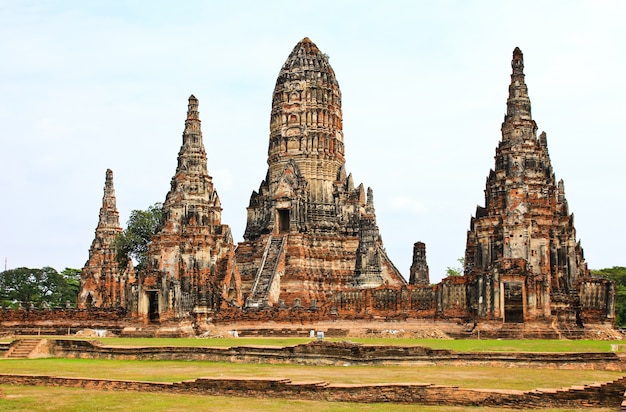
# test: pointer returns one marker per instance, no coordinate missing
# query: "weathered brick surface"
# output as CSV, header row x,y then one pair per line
x,y
312,249
307,197
522,258
104,283
328,353
190,264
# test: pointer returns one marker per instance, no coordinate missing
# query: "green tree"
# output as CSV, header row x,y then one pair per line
x,y
456,271
618,275
134,241
72,285
40,287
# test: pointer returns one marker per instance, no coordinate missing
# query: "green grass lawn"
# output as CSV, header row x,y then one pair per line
x,y
461,345
24,398
27,398
485,377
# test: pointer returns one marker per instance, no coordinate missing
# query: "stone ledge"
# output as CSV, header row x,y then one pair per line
x,y
337,353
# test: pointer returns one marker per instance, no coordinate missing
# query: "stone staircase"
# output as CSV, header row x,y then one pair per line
x,y
22,348
266,273
511,331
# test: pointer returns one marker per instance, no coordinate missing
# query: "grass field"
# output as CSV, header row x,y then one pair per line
x,y
461,345
26,398
173,371
23,398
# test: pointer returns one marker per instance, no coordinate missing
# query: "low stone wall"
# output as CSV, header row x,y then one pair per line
x,y
602,395
286,322
338,353
60,321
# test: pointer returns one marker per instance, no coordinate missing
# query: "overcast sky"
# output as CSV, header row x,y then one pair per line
x,y
86,86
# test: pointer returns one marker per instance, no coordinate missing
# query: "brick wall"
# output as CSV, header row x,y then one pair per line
x,y
332,353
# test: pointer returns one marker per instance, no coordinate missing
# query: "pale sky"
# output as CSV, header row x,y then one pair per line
x,y
86,86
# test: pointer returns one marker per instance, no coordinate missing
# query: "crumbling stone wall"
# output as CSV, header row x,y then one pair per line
x,y
61,321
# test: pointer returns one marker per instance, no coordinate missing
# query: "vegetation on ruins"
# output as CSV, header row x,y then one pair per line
x,y
134,241
618,275
43,287
458,270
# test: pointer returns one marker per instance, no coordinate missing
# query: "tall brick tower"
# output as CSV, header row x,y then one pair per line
x,y
309,231
418,273
522,257
103,282
190,265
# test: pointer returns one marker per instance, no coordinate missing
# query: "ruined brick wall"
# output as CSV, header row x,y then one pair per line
x,y
333,353
61,321
451,297
597,298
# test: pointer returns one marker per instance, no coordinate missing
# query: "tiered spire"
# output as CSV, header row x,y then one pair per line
x,y
191,258
102,278
518,123
192,156
518,103
524,231
306,120
192,194
109,216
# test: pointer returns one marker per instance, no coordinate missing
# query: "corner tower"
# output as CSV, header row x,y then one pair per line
x,y
103,281
310,231
522,257
190,269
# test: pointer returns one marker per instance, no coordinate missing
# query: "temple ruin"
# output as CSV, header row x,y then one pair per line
x,y
104,282
190,270
312,248
310,231
522,259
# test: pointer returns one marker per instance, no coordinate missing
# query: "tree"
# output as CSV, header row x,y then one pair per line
x,y
40,287
72,284
134,241
618,275
457,271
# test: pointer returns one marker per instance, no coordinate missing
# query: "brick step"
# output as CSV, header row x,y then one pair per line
x,y
22,348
